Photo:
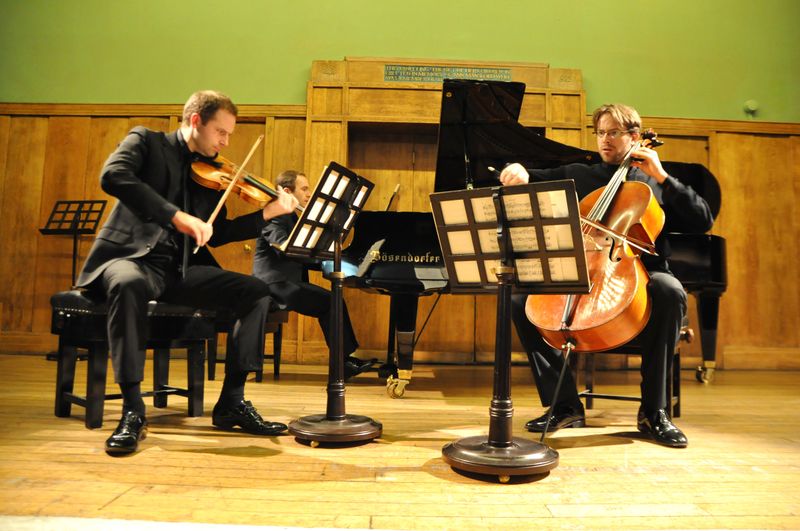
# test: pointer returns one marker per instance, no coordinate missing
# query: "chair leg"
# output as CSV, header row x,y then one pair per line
x,y
96,385
277,342
196,382
160,376
212,357
589,376
260,371
676,383
65,378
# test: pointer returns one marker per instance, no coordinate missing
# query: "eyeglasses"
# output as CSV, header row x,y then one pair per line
x,y
613,133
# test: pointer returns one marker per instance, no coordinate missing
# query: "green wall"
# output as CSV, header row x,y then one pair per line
x,y
676,58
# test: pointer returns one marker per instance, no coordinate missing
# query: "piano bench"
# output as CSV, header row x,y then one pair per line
x,y
633,349
223,323
80,323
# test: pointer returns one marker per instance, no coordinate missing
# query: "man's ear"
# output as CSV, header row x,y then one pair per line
x,y
194,120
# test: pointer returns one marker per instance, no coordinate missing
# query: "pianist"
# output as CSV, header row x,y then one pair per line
x,y
617,127
288,278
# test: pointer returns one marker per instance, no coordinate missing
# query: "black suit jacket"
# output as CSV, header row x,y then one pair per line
x,y
269,264
144,173
684,209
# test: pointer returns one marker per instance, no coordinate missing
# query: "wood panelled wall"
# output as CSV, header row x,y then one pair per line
x,y
387,132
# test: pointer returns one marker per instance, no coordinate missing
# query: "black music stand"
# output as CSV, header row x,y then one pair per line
x,y
74,217
526,237
337,200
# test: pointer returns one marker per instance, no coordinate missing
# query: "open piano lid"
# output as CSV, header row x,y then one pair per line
x,y
479,128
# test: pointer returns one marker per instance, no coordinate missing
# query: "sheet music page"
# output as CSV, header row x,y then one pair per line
x,y
315,209
529,270
454,212
488,241
558,237
467,272
563,269
524,239
553,204
483,209
490,266
460,242
518,206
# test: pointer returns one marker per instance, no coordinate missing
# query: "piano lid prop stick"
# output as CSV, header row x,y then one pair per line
x,y
394,194
214,214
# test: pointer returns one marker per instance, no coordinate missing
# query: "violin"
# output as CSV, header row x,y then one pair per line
x,y
618,305
218,172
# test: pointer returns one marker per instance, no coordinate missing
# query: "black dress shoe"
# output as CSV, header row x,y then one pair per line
x,y
659,426
246,417
354,366
132,428
562,418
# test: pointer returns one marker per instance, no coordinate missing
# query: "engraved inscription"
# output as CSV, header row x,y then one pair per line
x,y
436,74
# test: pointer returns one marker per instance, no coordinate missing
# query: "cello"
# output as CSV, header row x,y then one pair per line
x,y
619,221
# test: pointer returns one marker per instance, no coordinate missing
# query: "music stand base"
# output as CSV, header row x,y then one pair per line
x,y
319,428
521,457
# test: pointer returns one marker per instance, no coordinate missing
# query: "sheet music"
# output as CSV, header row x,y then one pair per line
x,y
558,237
483,209
488,241
563,269
552,204
524,239
517,206
529,270
454,212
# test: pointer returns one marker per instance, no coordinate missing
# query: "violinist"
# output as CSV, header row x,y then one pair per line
x,y
288,277
617,128
143,252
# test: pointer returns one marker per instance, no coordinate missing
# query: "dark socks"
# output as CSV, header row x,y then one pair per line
x,y
232,387
132,397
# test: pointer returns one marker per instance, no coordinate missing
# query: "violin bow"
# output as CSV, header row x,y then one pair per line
x,y
214,214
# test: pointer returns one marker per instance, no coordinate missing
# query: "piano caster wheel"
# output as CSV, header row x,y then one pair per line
x,y
704,374
313,444
395,387
503,479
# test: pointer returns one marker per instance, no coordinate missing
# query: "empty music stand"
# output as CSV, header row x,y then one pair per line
x,y
74,217
337,200
494,239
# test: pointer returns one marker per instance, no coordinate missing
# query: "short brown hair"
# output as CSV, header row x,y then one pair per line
x,y
287,178
623,114
206,103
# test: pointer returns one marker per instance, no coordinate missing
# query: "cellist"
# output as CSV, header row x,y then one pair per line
x,y
617,128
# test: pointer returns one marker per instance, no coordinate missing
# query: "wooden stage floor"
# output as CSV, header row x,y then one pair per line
x,y
740,471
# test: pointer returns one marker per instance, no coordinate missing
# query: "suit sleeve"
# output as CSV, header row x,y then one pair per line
x,y
241,228
122,178
277,230
688,212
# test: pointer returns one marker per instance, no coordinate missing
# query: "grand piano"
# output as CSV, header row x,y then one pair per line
x,y
397,253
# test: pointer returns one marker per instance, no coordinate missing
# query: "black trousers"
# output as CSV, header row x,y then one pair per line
x,y
309,299
658,340
130,284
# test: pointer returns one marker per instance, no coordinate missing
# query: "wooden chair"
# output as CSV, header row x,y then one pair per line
x,y
80,323
223,323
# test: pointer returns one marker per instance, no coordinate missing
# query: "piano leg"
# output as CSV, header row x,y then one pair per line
x,y
708,315
402,333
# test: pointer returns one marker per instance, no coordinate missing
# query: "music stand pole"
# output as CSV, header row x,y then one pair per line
x,y
335,425
501,454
